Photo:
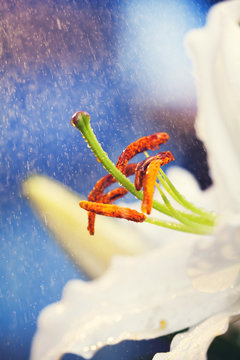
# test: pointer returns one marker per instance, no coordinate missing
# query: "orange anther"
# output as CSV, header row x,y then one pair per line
x,y
149,142
113,211
164,157
146,176
149,181
96,195
113,195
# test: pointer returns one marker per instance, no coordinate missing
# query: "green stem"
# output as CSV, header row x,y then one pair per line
x,y
191,217
176,226
201,219
183,201
184,217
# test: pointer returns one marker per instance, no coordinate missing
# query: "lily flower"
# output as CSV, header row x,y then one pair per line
x,y
189,281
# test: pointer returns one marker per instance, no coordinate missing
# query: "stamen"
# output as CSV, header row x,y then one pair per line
x,y
146,176
198,222
149,142
113,211
108,198
164,156
81,121
96,195
114,195
149,181
106,181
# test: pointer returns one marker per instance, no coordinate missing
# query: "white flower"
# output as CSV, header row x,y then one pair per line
x,y
216,55
188,281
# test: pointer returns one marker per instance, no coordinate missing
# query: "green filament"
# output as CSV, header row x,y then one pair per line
x,y
176,226
181,199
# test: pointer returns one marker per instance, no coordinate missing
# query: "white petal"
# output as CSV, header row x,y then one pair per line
x,y
193,345
58,207
138,298
216,55
215,263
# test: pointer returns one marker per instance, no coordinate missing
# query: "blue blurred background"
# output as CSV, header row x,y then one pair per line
x,y
124,63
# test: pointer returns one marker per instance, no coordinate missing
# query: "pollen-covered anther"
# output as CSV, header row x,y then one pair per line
x,y
113,211
113,195
146,176
149,142
96,195
149,181
164,158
